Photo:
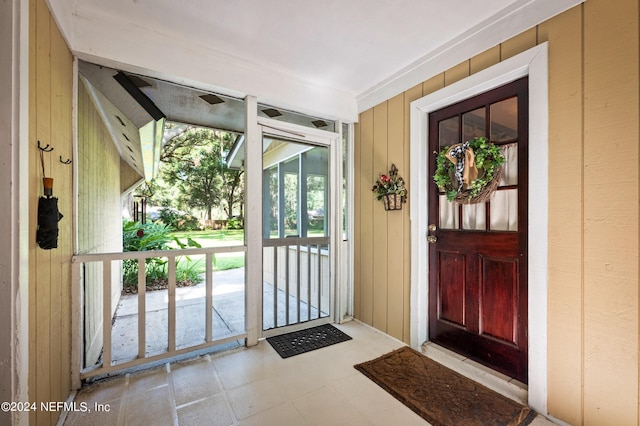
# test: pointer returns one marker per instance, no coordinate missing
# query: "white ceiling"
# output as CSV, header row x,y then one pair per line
x,y
315,56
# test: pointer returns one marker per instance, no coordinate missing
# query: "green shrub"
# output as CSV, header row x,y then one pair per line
x,y
179,221
153,236
235,223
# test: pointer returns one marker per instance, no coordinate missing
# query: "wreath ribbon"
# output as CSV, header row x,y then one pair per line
x,y
462,156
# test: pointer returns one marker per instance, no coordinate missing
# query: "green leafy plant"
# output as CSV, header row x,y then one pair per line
x,y
488,157
235,223
153,236
178,220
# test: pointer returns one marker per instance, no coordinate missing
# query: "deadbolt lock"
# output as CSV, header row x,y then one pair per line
x,y
432,227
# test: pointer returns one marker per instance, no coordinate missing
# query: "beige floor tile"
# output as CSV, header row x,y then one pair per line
x,y
194,381
325,407
209,411
238,368
255,397
280,415
96,418
378,406
146,380
154,408
255,386
102,392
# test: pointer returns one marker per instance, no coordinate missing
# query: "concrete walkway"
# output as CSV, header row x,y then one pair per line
x,y
228,315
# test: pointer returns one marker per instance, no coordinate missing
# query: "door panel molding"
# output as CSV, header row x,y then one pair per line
x,y
534,64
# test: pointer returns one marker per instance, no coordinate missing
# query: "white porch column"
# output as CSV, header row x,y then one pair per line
x,y
14,268
253,221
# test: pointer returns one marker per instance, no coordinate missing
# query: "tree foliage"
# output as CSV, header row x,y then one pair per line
x,y
194,174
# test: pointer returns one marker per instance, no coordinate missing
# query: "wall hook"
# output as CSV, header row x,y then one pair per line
x,y
47,148
67,161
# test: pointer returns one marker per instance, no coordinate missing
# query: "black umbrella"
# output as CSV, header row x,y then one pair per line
x,y
48,218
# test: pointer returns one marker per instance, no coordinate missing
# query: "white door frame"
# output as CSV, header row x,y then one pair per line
x,y
534,64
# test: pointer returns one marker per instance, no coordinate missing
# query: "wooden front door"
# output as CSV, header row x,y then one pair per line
x,y
478,263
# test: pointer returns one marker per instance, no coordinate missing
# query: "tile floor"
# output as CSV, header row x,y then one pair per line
x,y
254,386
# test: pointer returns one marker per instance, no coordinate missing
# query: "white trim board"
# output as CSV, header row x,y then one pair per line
x,y
534,64
514,20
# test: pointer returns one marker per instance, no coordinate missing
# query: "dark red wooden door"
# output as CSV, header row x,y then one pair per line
x,y
478,265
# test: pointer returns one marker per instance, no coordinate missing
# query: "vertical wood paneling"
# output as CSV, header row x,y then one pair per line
x,y
395,221
456,73
380,261
564,34
33,189
43,257
484,60
99,223
611,212
433,84
593,197
65,93
519,43
50,104
58,134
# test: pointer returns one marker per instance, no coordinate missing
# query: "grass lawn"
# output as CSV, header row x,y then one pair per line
x,y
221,261
219,238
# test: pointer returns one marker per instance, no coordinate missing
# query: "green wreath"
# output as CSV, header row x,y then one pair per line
x,y
488,160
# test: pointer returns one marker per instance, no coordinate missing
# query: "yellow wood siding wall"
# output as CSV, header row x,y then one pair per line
x,y
593,299
99,216
50,106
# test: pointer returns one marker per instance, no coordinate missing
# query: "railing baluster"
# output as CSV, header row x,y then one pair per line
x,y
110,361
319,279
209,298
275,287
106,313
142,309
286,283
308,282
171,320
298,279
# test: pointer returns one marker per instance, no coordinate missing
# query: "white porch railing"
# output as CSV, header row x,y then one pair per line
x,y
106,365
298,271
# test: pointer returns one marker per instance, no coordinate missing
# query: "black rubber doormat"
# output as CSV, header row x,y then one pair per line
x,y
299,342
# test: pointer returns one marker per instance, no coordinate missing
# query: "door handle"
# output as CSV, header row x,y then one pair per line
x,y
431,239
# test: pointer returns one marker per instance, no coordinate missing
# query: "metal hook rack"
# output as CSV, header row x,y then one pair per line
x,y
47,148
67,161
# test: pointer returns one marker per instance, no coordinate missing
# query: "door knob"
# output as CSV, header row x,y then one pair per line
x,y
432,227
431,239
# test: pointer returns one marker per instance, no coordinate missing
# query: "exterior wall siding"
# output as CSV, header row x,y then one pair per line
x,y
99,216
50,106
593,274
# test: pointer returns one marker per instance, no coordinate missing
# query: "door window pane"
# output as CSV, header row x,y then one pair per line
x,y
510,166
473,124
448,132
448,213
504,120
474,217
504,210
